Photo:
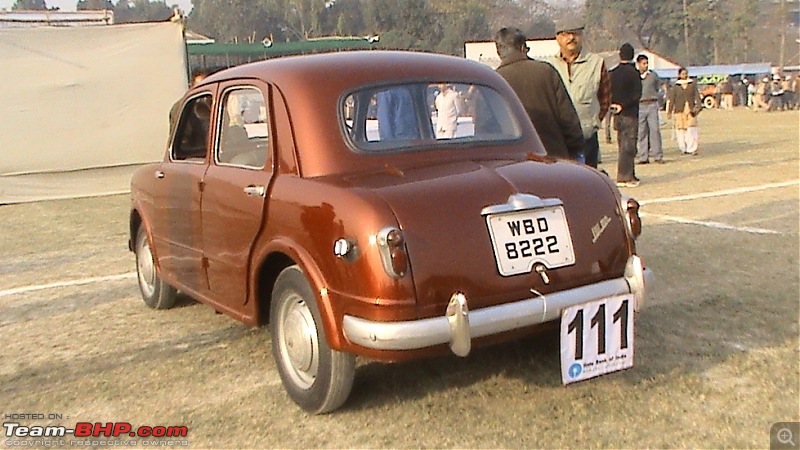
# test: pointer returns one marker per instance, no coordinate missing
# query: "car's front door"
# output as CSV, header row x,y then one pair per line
x,y
236,189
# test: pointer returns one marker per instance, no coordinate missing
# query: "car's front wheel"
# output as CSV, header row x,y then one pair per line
x,y
155,292
316,377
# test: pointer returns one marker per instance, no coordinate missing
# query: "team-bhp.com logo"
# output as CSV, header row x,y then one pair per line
x,y
88,430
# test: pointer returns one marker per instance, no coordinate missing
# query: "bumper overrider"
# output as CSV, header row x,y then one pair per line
x,y
459,325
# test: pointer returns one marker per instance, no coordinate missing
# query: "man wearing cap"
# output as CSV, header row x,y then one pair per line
x,y
543,94
586,79
761,97
626,91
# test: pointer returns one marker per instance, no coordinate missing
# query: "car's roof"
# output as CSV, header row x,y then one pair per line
x,y
357,67
313,87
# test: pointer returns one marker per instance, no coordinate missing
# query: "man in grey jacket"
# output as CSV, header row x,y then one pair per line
x,y
539,87
649,123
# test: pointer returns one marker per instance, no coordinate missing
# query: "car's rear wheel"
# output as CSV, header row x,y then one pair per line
x,y
709,102
155,292
316,377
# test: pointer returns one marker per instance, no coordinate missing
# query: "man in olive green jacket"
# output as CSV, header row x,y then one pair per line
x,y
543,94
586,79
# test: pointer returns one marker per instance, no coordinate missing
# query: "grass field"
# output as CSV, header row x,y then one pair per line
x,y
717,349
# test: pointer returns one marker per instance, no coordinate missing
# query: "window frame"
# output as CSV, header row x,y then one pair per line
x,y
428,140
182,124
220,114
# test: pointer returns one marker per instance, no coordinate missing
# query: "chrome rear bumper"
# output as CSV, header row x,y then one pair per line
x,y
459,325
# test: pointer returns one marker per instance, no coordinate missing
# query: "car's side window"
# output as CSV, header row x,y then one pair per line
x,y
243,128
191,137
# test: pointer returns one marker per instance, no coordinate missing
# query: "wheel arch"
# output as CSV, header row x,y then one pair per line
x,y
271,266
283,253
134,222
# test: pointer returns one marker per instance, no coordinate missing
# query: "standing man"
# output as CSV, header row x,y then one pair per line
x,y
395,111
586,79
649,126
626,91
447,111
543,94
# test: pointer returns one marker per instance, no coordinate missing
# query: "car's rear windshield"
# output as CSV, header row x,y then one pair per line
x,y
415,115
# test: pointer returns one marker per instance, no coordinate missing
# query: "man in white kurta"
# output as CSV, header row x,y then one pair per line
x,y
446,112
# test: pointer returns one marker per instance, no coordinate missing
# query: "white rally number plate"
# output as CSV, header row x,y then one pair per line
x,y
523,238
596,338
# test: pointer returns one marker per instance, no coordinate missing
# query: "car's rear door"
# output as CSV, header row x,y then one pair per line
x,y
236,188
176,227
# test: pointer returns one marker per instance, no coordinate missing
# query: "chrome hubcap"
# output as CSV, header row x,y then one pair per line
x,y
299,342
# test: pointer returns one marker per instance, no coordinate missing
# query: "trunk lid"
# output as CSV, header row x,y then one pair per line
x,y
449,243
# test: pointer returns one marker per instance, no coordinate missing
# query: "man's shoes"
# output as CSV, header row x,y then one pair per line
x,y
644,162
631,183
660,161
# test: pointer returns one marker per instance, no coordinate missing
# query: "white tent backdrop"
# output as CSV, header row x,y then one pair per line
x,y
82,107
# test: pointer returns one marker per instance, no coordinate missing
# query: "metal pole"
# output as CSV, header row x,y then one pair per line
x,y
686,32
783,36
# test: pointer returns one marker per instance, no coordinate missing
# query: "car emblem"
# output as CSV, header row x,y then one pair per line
x,y
599,227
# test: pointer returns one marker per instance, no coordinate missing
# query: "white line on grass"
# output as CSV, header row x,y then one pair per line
x,y
719,225
78,282
722,193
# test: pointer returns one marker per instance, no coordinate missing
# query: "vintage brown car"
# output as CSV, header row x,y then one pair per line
x,y
314,193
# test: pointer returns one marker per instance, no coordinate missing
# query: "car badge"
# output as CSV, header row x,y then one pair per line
x,y
599,227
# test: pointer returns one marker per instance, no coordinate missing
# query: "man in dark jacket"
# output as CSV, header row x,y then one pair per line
x,y
626,90
538,85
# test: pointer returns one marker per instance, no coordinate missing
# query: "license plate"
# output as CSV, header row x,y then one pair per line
x,y
523,238
596,338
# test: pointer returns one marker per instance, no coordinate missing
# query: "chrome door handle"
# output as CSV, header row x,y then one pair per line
x,y
159,174
255,190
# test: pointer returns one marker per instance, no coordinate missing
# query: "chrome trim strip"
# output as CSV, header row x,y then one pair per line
x,y
416,334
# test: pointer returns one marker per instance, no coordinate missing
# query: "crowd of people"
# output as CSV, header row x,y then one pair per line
x,y
759,93
630,96
571,127
772,93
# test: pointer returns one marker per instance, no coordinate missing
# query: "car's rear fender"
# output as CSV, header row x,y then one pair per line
x,y
305,218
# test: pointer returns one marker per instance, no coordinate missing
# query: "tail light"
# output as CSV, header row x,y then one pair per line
x,y
630,210
391,245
